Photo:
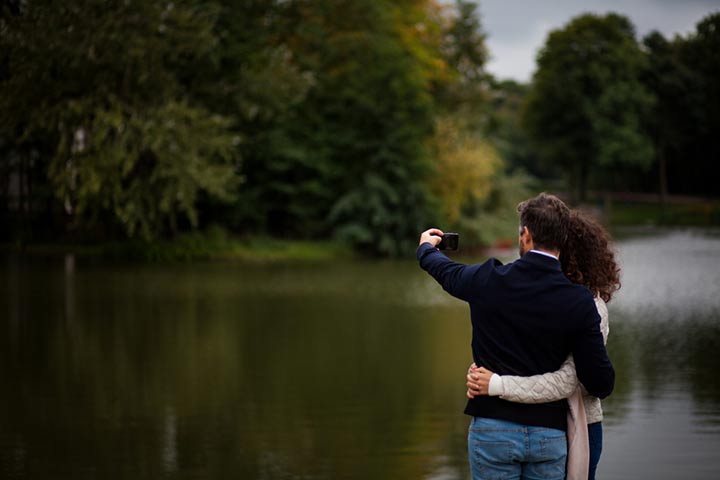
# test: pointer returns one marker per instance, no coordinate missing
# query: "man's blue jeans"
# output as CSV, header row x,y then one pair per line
x,y
499,449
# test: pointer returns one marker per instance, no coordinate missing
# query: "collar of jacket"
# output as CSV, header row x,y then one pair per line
x,y
542,261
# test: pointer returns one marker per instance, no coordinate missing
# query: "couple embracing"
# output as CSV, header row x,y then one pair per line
x,y
539,326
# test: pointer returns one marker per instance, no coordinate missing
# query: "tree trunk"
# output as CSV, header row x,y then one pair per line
x,y
663,175
22,198
582,181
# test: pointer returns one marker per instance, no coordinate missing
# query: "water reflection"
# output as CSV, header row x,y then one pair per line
x,y
325,371
663,420
673,276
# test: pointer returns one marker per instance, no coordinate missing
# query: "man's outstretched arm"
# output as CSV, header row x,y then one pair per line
x,y
456,279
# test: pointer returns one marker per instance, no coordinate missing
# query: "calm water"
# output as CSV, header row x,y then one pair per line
x,y
343,371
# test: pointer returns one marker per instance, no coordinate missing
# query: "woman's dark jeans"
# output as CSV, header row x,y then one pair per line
x,y
595,437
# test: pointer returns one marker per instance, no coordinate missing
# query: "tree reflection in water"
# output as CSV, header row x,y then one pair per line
x,y
328,371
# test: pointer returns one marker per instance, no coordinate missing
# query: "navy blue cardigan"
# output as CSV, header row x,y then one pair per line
x,y
526,318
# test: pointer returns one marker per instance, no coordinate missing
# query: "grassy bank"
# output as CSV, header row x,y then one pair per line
x,y
672,214
216,244
255,249
198,246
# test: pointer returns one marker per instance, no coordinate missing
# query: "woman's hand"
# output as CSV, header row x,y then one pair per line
x,y
478,380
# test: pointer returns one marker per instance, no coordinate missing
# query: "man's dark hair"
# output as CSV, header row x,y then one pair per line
x,y
546,217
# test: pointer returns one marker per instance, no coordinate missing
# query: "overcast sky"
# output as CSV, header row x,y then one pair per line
x,y
517,29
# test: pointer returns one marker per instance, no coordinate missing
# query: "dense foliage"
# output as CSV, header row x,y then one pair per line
x,y
587,101
95,104
604,110
684,75
301,119
363,120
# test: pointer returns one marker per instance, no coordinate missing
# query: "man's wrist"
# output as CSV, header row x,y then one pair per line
x,y
496,387
423,249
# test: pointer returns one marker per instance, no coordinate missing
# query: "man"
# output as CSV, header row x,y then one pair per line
x,y
526,317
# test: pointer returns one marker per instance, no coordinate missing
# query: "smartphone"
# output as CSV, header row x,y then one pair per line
x,y
450,241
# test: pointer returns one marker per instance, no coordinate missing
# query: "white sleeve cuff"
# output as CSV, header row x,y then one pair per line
x,y
496,387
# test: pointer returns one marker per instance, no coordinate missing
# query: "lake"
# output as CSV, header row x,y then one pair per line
x,y
351,370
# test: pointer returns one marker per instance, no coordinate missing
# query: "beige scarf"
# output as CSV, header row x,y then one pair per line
x,y
578,460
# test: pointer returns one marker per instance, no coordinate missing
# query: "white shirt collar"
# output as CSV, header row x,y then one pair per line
x,y
545,253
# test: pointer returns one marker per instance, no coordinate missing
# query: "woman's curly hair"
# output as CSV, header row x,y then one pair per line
x,y
587,256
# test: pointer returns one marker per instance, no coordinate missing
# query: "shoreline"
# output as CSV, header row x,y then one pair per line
x,y
191,248
216,244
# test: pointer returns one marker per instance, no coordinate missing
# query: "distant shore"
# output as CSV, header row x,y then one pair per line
x,y
195,246
216,244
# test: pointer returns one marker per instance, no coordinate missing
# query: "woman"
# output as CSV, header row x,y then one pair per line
x,y
587,259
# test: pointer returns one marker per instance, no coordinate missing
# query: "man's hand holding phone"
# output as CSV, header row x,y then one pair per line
x,y
432,236
436,238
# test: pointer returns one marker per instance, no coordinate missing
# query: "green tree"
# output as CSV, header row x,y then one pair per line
x,y
252,76
98,92
478,147
701,54
586,102
504,128
356,161
675,117
466,167
465,53
683,74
